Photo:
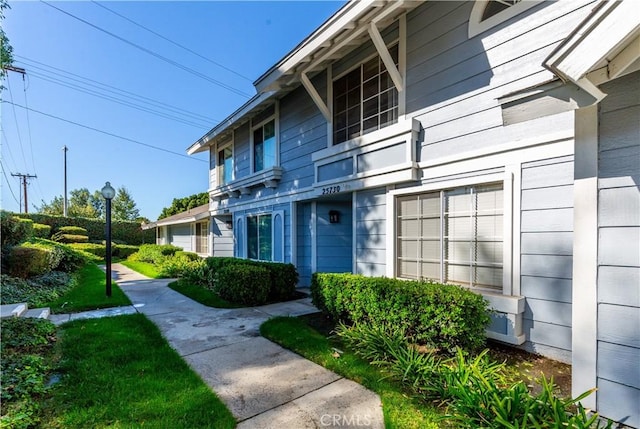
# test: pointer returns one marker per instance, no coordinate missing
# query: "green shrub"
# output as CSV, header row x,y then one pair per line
x,y
55,254
123,250
96,249
175,266
242,283
35,291
28,261
198,274
121,231
41,231
71,259
69,238
283,277
189,255
73,230
155,253
14,230
439,316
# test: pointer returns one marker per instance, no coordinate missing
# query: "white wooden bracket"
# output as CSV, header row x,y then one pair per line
x,y
317,99
381,47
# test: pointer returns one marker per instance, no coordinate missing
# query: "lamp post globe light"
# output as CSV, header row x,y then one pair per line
x,y
108,193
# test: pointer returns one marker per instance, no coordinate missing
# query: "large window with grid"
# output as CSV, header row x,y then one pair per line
x,y
364,100
452,236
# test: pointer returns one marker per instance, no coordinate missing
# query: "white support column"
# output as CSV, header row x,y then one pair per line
x,y
584,346
385,56
317,99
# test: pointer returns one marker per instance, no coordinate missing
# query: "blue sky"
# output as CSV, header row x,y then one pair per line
x,y
60,52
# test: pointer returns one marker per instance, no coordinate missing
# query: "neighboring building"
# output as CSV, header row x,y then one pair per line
x,y
195,231
466,142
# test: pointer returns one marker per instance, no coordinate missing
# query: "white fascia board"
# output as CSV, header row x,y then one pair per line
x,y
205,141
189,219
610,26
344,17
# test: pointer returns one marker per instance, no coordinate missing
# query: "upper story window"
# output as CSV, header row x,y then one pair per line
x,y
364,100
225,165
264,145
489,13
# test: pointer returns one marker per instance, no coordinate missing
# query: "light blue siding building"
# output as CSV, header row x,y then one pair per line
x,y
469,142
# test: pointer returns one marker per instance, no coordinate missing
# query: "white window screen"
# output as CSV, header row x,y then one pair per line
x,y
452,236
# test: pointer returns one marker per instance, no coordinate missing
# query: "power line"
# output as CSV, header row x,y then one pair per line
x,y
121,102
15,117
155,54
4,172
108,133
15,164
172,42
33,161
109,88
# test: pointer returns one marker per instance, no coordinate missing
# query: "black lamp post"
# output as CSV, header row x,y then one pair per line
x,y
108,193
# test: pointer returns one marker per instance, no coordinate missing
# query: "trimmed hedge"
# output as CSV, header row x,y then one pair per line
x,y
70,238
14,230
242,283
189,255
283,278
121,231
25,262
73,230
71,259
100,250
41,230
436,315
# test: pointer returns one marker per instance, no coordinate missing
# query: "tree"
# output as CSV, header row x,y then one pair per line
x,y
123,207
6,51
54,208
179,205
97,202
80,204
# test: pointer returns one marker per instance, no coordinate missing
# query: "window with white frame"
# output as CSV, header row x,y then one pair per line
x,y
364,99
202,237
494,7
225,165
452,236
264,145
490,13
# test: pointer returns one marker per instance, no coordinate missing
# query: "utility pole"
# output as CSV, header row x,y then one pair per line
x,y
65,203
23,179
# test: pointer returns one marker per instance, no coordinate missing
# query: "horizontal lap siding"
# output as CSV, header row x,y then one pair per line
x,y
453,82
222,238
618,360
546,262
371,219
180,236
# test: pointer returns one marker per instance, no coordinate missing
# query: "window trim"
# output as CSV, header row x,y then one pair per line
x,y
400,41
276,125
477,26
242,239
220,147
506,179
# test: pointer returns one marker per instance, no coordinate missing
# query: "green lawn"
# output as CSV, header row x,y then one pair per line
x,y
202,295
89,292
144,268
119,372
400,409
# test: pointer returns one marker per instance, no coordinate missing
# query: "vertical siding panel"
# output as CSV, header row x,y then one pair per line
x,y
371,238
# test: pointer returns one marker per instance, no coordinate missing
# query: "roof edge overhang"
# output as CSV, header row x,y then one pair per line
x,y
313,53
601,48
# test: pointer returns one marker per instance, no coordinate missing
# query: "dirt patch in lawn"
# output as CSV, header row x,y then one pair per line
x,y
522,365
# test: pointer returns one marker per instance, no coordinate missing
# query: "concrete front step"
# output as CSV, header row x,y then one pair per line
x,y
22,310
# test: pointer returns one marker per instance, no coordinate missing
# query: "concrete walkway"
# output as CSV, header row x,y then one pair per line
x,y
263,384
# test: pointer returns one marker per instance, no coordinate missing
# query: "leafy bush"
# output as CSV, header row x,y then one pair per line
x,y
73,230
69,238
71,259
198,274
473,388
175,266
155,253
55,253
124,250
96,249
439,316
36,291
28,261
14,230
41,231
242,283
123,231
189,255
283,278
27,351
